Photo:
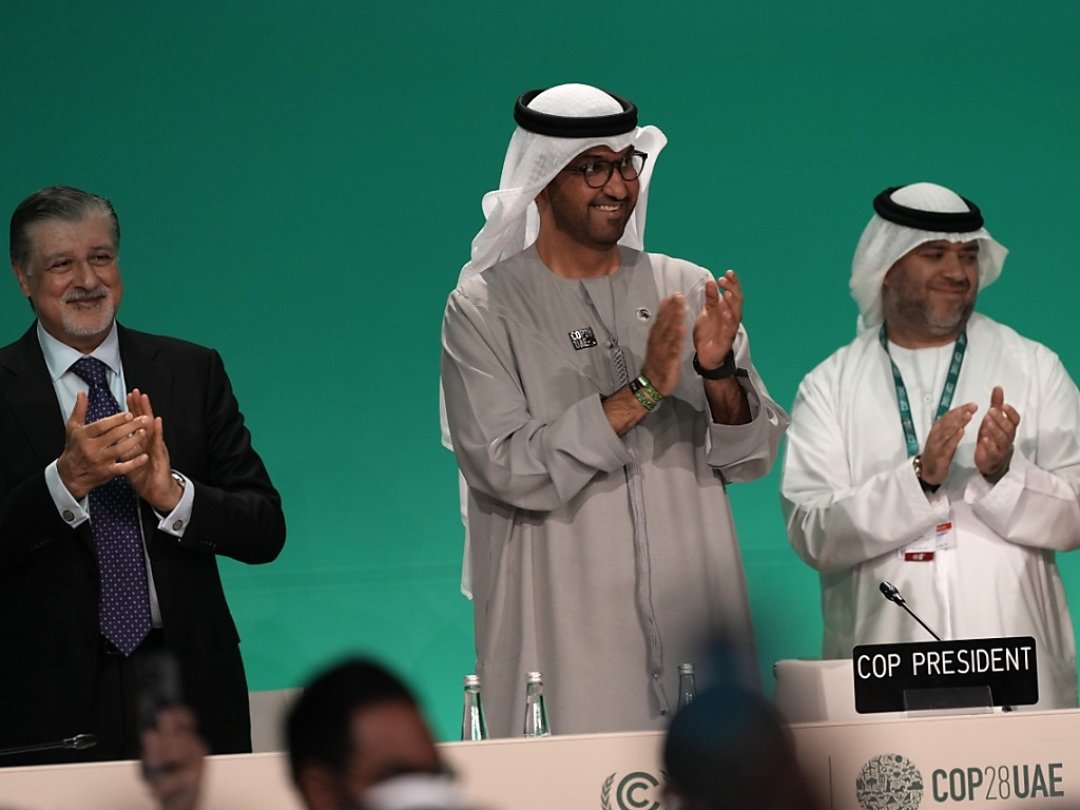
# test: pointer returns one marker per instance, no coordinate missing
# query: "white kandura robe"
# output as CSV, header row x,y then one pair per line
x,y
853,503
551,493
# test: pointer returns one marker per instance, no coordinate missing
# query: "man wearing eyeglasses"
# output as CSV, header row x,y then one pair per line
x,y
599,399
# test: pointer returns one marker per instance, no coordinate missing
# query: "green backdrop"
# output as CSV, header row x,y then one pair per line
x,y
299,182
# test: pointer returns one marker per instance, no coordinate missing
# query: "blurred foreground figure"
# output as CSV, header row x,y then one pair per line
x,y
173,758
357,741
728,750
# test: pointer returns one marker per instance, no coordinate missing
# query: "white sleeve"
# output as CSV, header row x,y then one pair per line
x,y
747,452
1037,502
834,521
73,512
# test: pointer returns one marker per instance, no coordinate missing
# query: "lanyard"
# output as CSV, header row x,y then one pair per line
x,y
946,393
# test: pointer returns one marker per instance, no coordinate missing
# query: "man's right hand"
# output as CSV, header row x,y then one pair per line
x,y
945,434
96,453
663,353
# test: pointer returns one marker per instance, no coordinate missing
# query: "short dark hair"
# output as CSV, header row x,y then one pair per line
x,y
317,727
55,202
729,748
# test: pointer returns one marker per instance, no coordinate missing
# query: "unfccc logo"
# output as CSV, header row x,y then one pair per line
x,y
635,791
889,781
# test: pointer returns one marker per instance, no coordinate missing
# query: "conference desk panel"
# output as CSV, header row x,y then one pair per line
x,y
993,760
999,761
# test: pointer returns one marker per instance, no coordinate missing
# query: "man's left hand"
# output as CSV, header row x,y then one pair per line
x,y
994,445
153,482
718,323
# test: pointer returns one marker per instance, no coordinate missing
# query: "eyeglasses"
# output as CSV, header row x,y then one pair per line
x,y
597,171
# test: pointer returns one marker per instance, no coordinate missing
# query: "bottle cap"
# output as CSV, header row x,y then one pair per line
x,y
472,680
686,668
533,677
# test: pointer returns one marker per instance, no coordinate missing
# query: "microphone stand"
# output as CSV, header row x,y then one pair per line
x,y
77,743
892,593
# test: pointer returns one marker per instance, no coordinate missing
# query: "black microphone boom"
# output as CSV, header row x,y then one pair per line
x,y
892,593
76,743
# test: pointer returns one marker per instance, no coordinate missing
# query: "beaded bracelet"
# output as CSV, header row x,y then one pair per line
x,y
650,388
645,392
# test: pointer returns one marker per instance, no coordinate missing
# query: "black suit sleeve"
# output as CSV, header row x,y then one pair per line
x,y
29,519
236,511
31,436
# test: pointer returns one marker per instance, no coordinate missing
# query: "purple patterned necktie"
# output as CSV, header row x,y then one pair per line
x,y
124,602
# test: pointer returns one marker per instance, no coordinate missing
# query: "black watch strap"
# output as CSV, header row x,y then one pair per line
x,y
721,372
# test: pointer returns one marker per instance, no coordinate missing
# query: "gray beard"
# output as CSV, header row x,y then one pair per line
x,y
76,329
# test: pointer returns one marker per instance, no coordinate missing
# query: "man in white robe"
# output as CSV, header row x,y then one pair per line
x,y
965,505
599,400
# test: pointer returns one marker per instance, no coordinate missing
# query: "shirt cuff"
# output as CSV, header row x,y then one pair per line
x,y
176,522
72,512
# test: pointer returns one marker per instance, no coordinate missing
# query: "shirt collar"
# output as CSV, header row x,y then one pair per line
x,y
59,357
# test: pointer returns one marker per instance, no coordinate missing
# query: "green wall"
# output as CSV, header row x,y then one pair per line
x,y
299,183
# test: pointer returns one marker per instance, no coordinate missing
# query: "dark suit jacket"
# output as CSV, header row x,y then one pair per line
x,y
49,638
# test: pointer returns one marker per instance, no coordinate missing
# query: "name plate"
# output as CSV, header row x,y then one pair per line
x,y
945,674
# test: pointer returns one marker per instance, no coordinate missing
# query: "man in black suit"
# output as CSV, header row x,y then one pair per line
x,y
125,468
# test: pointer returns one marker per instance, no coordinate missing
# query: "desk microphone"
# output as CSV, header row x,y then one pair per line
x,y
892,593
76,743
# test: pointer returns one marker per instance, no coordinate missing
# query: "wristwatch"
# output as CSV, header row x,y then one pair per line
x,y
916,464
721,372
